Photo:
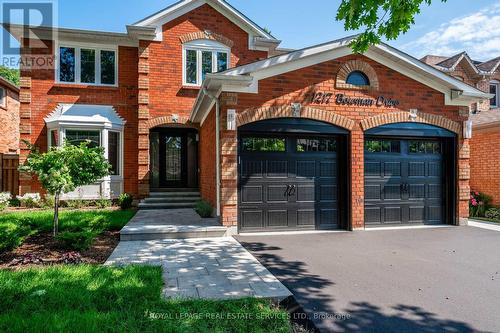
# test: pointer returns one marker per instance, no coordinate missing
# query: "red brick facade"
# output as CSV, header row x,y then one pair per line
x,y
277,93
40,95
485,144
150,93
485,162
162,93
9,118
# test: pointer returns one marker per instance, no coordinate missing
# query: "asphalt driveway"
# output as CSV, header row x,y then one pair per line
x,y
419,280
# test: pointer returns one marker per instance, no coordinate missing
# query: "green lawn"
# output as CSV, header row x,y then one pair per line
x,y
104,299
15,227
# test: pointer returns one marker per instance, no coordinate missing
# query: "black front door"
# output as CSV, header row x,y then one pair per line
x,y
173,159
404,181
288,181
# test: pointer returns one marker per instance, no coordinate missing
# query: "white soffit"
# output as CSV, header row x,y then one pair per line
x,y
84,115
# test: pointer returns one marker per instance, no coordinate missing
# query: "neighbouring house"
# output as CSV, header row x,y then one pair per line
x,y
198,97
9,117
485,117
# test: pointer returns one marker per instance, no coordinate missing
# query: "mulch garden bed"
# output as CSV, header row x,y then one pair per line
x,y
43,250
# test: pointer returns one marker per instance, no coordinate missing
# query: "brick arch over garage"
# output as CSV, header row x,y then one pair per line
x,y
273,112
169,120
403,117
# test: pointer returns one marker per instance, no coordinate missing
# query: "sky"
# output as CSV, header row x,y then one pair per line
x,y
441,29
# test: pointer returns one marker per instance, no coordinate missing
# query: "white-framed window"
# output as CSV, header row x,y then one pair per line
x,y
3,97
495,89
201,57
87,64
111,140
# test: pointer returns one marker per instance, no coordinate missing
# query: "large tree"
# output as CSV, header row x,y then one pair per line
x,y
379,19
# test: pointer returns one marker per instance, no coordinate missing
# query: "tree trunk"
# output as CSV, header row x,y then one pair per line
x,y
56,214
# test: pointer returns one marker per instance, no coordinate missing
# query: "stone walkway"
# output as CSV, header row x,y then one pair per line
x,y
207,268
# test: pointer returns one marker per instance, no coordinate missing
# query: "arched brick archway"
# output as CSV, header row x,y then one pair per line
x,y
169,120
253,115
402,117
206,35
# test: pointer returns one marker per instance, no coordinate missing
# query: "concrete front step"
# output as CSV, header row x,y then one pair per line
x,y
149,224
172,199
173,194
171,205
178,189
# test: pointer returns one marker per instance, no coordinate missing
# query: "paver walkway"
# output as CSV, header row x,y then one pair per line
x,y
208,268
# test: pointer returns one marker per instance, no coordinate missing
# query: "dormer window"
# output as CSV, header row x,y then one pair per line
x,y
201,57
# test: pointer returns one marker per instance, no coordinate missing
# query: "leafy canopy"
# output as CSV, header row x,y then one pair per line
x,y
63,169
10,74
379,18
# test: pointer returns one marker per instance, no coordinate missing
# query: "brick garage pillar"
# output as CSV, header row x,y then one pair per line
x,y
143,117
357,211
463,182
229,173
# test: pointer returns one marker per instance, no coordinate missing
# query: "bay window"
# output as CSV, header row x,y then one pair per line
x,y
101,126
495,90
87,65
202,57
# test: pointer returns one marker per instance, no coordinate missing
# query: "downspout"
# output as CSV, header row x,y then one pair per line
x,y
217,149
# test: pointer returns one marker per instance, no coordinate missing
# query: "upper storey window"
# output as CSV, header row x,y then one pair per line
x,y
87,65
201,57
495,90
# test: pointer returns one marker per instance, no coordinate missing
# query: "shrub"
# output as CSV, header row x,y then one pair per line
x,y
12,235
75,241
30,200
492,213
103,203
5,198
479,203
14,202
48,201
125,200
204,209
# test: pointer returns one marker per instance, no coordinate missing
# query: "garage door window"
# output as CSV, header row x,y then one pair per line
x,y
316,145
424,147
382,146
256,144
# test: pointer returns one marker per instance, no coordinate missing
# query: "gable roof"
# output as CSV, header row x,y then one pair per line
x,y
450,63
245,78
490,65
182,7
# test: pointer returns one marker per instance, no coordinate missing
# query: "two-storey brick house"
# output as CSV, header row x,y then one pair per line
x,y
198,96
485,142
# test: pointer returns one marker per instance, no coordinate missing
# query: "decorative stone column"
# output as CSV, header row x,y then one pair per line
x,y
143,118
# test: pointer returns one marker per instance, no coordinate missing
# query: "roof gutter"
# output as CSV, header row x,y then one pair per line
x,y
213,85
